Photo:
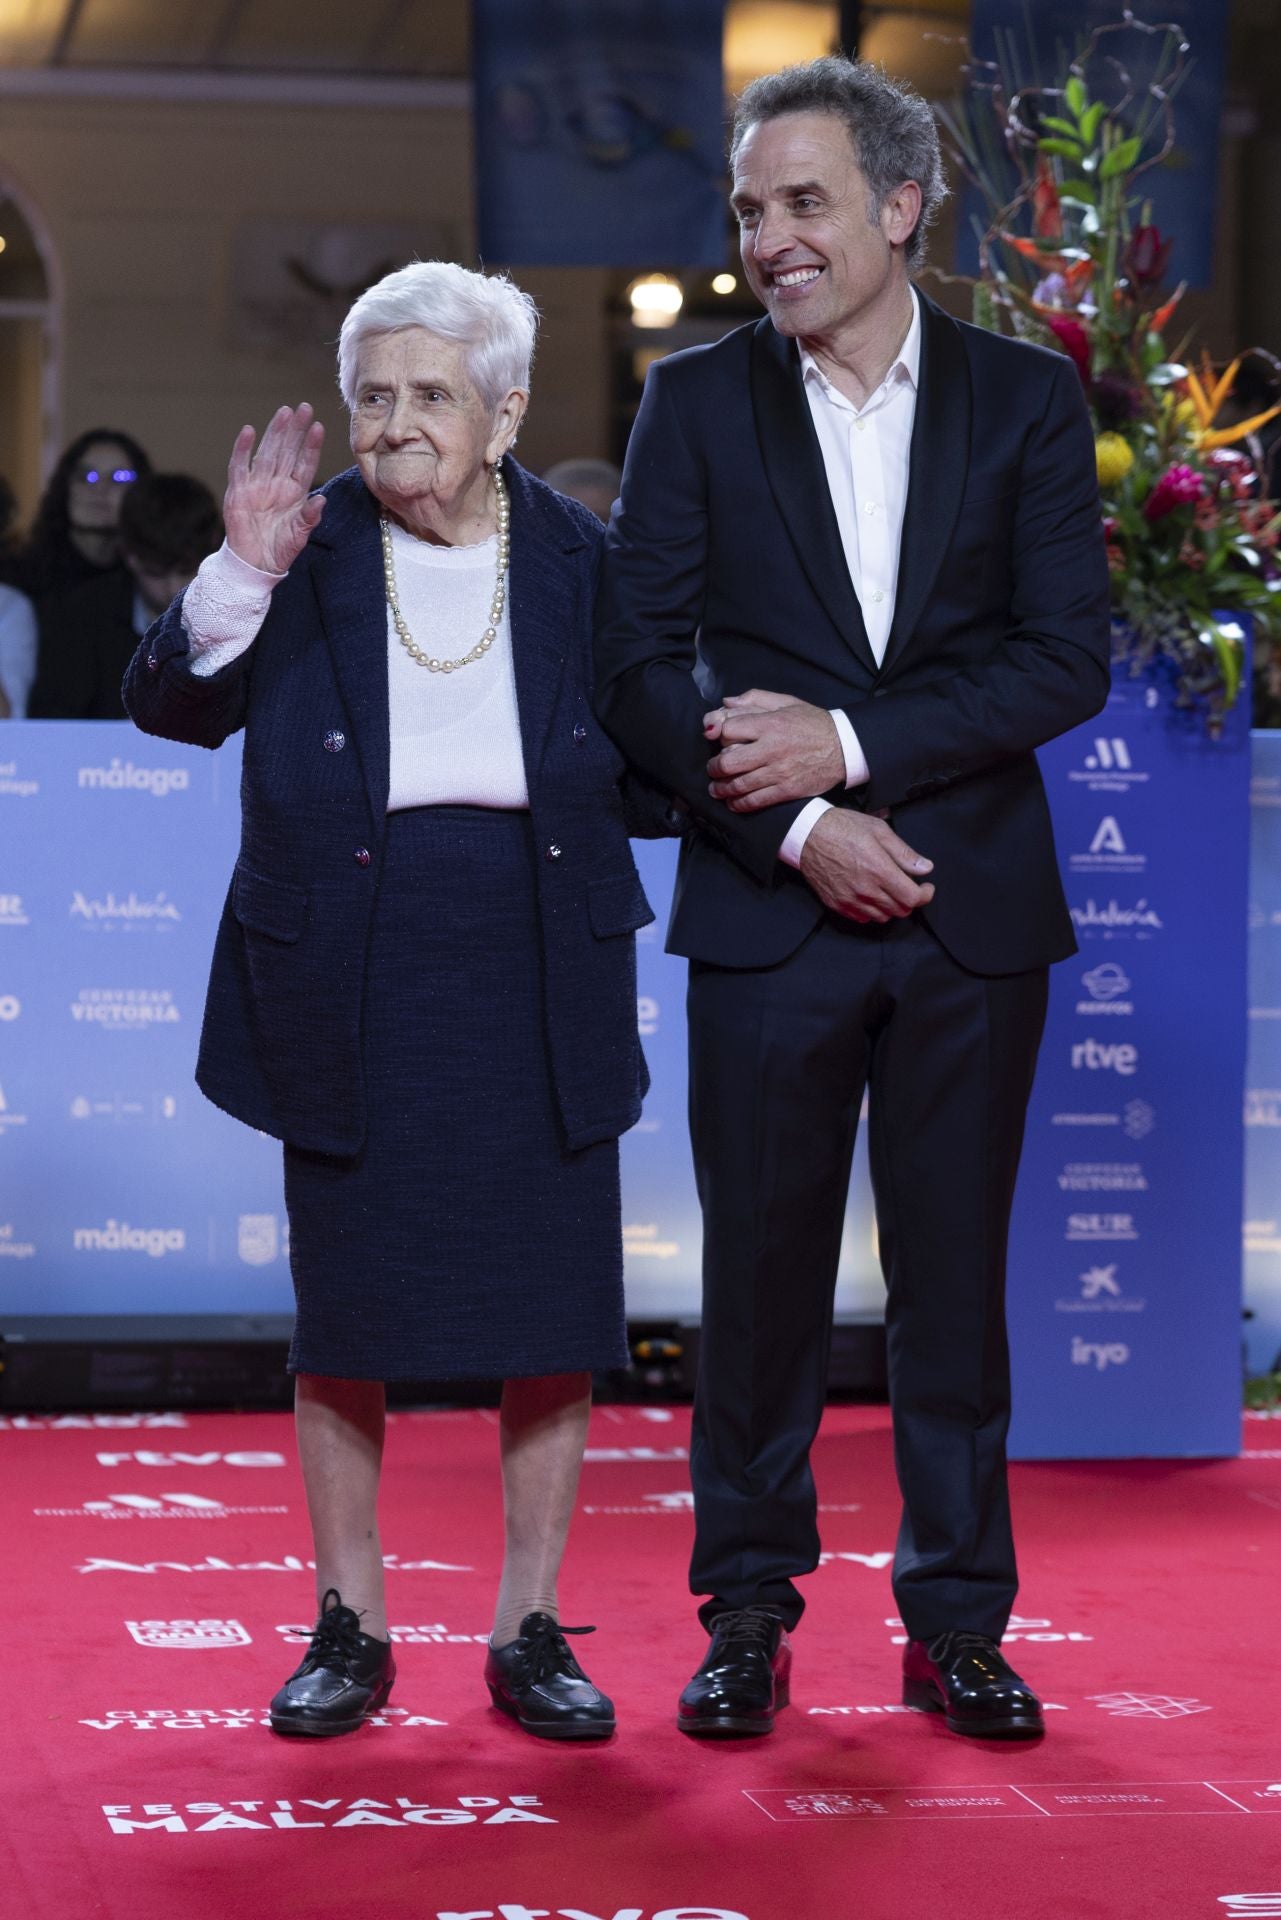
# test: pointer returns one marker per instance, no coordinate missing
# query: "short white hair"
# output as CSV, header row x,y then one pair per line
x,y
486,313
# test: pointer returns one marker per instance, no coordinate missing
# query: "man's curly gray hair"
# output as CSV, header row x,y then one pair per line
x,y
893,130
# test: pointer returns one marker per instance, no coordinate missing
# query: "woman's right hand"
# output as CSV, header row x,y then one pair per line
x,y
268,508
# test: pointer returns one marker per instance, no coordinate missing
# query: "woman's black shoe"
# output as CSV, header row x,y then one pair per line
x,y
537,1681
344,1675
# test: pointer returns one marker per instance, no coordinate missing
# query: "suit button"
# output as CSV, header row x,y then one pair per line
x,y
553,852
580,733
362,856
153,665
335,741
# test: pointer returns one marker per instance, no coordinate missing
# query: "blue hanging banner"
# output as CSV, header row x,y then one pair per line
x,y
1035,43
1125,1253
599,130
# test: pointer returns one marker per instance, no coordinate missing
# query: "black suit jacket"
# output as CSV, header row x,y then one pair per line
x,y
724,570
280,1047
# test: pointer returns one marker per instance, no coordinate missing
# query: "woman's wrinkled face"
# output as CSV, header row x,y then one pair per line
x,y
418,425
98,483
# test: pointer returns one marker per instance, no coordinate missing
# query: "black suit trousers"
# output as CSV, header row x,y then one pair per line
x,y
780,1058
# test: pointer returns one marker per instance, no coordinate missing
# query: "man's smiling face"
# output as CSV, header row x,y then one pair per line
x,y
813,255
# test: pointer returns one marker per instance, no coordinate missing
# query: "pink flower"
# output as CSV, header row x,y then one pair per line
x,y
1074,340
1191,556
1234,468
1176,488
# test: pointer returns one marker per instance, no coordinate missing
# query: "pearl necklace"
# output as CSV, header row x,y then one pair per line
x,y
487,639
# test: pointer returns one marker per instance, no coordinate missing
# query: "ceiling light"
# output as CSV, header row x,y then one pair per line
x,y
724,283
656,300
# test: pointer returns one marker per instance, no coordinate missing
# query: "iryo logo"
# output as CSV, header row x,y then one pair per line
x,y
1098,1354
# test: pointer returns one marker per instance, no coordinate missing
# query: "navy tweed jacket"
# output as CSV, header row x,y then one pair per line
x,y
280,1045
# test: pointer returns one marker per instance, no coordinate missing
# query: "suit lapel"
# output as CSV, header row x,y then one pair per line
x,y
348,577
939,461
543,610
794,465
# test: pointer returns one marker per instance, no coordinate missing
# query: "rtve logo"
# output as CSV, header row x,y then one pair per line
x,y
1105,1056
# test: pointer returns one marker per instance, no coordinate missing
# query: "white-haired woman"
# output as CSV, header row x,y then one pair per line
x,y
424,980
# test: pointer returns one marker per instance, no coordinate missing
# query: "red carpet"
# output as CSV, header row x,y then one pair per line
x,y
154,1564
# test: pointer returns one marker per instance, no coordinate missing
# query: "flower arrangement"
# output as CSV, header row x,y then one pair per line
x,y
1070,258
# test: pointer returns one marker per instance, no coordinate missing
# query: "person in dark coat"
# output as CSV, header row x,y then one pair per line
x,y
855,578
424,979
168,523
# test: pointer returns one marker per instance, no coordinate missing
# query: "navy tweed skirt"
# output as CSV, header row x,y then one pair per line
x,y
464,1241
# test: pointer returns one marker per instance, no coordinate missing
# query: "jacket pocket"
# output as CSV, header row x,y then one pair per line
x,y
617,906
273,907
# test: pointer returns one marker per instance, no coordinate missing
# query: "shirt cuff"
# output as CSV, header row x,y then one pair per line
x,y
801,829
857,771
223,609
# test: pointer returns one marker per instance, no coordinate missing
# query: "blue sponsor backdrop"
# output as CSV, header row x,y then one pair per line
x,y
123,1191
599,132
1263,1073
1125,1256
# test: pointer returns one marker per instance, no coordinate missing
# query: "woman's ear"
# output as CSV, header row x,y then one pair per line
x,y
507,418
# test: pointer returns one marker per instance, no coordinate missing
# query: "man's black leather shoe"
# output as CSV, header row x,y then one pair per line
x,y
344,1675
964,1677
745,1678
537,1681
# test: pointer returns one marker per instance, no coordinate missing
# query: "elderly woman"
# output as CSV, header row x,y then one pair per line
x,y
424,979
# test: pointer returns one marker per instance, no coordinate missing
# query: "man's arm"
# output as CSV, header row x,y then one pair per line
x,y
1050,672
649,605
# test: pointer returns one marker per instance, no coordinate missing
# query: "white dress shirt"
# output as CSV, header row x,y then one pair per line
x,y
455,737
866,455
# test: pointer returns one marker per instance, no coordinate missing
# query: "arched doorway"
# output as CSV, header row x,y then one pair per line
x,y
30,307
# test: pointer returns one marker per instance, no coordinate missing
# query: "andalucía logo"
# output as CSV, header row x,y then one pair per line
x,y
1108,852
1117,922
187,1635
122,776
217,1816
288,1562
130,912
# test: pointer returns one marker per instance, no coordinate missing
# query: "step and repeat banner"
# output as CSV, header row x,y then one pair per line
x,y
1125,1254
122,1191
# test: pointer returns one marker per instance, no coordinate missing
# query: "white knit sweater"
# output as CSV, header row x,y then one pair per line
x,y
455,737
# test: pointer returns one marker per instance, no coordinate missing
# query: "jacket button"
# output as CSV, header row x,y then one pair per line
x,y
553,852
362,856
153,665
335,741
580,733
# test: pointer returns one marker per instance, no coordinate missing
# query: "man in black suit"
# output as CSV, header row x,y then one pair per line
x,y
858,562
